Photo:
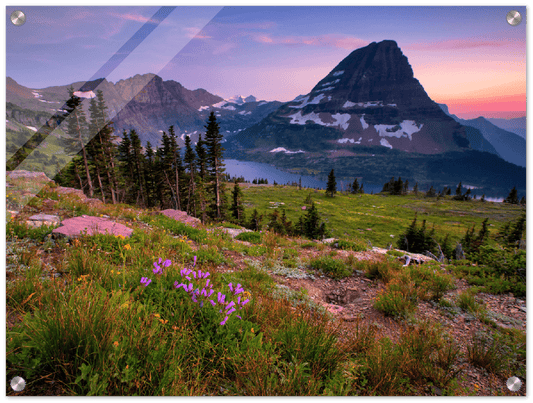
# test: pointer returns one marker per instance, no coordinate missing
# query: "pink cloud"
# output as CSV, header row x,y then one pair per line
x,y
196,33
336,41
457,44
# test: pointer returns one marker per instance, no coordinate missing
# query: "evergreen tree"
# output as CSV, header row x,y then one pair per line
x,y
355,186
311,224
138,164
189,160
150,177
482,198
255,221
517,231
415,189
362,189
431,192
406,187
449,192
202,158
459,190
77,131
523,201
398,187
331,188
237,207
215,164
177,166
512,198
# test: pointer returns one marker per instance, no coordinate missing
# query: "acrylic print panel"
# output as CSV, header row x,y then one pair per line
x,y
300,95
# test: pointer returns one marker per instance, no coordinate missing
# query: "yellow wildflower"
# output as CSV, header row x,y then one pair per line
x,y
157,315
252,330
127,246
164,322
116,344
127,366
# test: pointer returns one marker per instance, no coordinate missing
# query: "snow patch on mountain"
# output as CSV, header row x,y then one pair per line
x,y
305,101
404,129
201,108
340,119
338,73
363,123
348,104
345,140
36,94
262,103
326,89
228,107
84,94
284,150
245,113
385,143
32,128
331,82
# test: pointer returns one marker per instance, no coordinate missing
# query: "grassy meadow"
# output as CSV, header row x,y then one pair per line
x,y
109,316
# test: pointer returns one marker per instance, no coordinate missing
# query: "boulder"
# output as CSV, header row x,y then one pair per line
x,y
38,220
73,227
181,216
27,174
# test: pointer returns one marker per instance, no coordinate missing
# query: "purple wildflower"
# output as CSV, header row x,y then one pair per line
x,y
166,263
245,301
238,316
230,285
194,264
224,321
230,305
230,311
212,302
145,281
210,293
207,283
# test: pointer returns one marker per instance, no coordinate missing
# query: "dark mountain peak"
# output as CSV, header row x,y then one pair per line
x,y
91,85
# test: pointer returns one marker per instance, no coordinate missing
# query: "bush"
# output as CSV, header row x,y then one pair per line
x,y
417,240
333,267
252,237
356,246
398,300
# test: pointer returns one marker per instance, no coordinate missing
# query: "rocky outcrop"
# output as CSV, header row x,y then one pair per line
x,y
89,225
181,216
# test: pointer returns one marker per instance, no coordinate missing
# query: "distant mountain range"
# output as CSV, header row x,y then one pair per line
x,y
145,103
369,117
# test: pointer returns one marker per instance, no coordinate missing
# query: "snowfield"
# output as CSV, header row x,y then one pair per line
x,y
340,119
338,73
32,128
363,123
245,113
385,143
345,140
201,108
305,101
331,82
284,150
407,128
85,94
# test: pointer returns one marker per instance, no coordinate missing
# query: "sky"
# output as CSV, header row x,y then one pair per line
x,y
469,58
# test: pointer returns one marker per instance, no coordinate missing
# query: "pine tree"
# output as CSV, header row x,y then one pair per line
x,y
459,190
255,221
189,160
512,198
150,177
523,201
177,166
138,165
237,207
331,188
415,189
78,131
202,157
215,164
355,186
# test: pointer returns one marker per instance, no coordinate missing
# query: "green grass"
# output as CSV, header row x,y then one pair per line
x,y
349,215
96,330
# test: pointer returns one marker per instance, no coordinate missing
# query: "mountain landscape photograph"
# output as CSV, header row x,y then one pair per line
x,y
265,201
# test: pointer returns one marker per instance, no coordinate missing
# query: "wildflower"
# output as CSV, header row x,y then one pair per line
x,y
224,321
157,315
194,264
115,343
252,330
164,322
230,305
212,302
145,281
230,311
127,246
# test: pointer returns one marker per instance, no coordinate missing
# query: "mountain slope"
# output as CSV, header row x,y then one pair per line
x,y
370,98
510,146
515,125
149,105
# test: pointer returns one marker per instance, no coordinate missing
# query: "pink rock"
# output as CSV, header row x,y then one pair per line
x,y
73,227
181,216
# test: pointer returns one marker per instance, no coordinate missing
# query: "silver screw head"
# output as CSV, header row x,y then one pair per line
x,y
514,384
514,17
18,384
18,18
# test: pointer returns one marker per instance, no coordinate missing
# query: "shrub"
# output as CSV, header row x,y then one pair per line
x,y
356,246
399,298
333,267
417,240
252,237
